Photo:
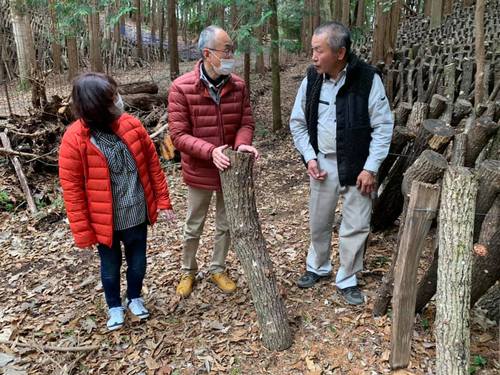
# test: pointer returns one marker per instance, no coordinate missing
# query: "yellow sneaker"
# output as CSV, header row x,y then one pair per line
x,y
223,282
185,286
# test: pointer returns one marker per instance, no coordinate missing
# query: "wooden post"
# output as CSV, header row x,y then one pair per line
x,y
250,247
424,200
456,225
20,174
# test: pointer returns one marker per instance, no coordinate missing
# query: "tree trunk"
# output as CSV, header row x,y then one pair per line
x,y
337,12
436,13
246,69
479,89
478,137
275,65
95,39
306,27
259,57
172,40
447,7
456,223
162,30
486,268
138,29
346,12
423,203
153,20
56,43
72,50
385,33
250,247
427,8
23,38
360,14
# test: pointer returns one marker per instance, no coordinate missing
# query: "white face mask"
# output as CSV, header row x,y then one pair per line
x,y
120,106
226,66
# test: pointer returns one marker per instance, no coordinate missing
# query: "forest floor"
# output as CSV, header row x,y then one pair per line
x,y
52,295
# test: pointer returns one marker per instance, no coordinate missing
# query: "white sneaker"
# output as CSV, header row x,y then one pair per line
x,y
116,318
136,307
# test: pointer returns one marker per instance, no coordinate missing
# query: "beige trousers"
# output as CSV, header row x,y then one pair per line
x,y
354,229
198,203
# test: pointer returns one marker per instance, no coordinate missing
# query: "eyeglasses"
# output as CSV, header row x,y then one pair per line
x,y
227,51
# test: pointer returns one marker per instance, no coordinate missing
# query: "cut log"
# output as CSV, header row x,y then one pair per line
x,y
250,247
428,168
488,174
461,109
145,87
144,102
434,134
437,106
486,267
20,174
400,138
477,138
401,114
459,150
456,223
490,302
417,116
424,200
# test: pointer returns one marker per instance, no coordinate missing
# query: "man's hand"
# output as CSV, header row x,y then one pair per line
x,y
314,172
366,182
247,148
167,216
220,160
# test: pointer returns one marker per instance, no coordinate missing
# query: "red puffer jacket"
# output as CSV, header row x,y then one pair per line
x,y
86,184
198,125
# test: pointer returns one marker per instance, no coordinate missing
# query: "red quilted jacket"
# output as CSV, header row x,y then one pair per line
x,y
86,184
197,125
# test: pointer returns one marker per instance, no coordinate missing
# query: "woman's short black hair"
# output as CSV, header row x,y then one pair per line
x,y
93,100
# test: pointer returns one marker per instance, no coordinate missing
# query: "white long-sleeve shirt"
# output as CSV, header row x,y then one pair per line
x,y
381,121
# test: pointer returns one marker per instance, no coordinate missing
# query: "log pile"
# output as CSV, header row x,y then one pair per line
x,y
431,86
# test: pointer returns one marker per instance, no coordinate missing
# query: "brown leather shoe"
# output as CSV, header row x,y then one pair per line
x,y
223,282
185,286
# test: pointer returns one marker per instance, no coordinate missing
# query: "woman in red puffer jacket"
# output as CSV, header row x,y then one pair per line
x,y
113,186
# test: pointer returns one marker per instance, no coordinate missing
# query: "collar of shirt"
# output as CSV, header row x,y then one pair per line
x,y
210,85
341,75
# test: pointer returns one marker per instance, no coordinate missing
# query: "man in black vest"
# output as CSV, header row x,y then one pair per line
x,y
342,125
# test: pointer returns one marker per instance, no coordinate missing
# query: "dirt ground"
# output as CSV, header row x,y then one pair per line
x,y
52,295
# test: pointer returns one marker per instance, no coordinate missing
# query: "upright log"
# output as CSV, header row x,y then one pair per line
x,y
478,137
456,224
417,116
250,247
428,168
437,106
424,200
488,174
486,267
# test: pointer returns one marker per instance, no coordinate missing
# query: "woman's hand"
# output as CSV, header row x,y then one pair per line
x,y
167,216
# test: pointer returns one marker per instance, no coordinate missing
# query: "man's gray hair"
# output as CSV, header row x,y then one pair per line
x,y
207,37
338,35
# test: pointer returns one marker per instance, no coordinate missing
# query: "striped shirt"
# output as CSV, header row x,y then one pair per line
x,y
129,203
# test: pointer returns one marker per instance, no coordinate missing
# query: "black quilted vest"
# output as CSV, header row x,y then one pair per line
x,y
353,119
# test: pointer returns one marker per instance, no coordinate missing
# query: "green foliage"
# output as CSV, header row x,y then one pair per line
x,y
6,203
478,362
290,14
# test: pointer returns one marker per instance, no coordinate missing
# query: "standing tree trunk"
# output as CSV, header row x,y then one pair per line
x,y
436,13
95,39
275,65
337,11
259,33
25,47
162,30
72,50
246,69
385,33
447,7
250,247
316,15
153,20
56,43
306,27
456,224
138,29
479,91
360,14
346,12
172,40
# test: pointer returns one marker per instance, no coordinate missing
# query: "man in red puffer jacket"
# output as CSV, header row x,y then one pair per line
x,y
209,110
